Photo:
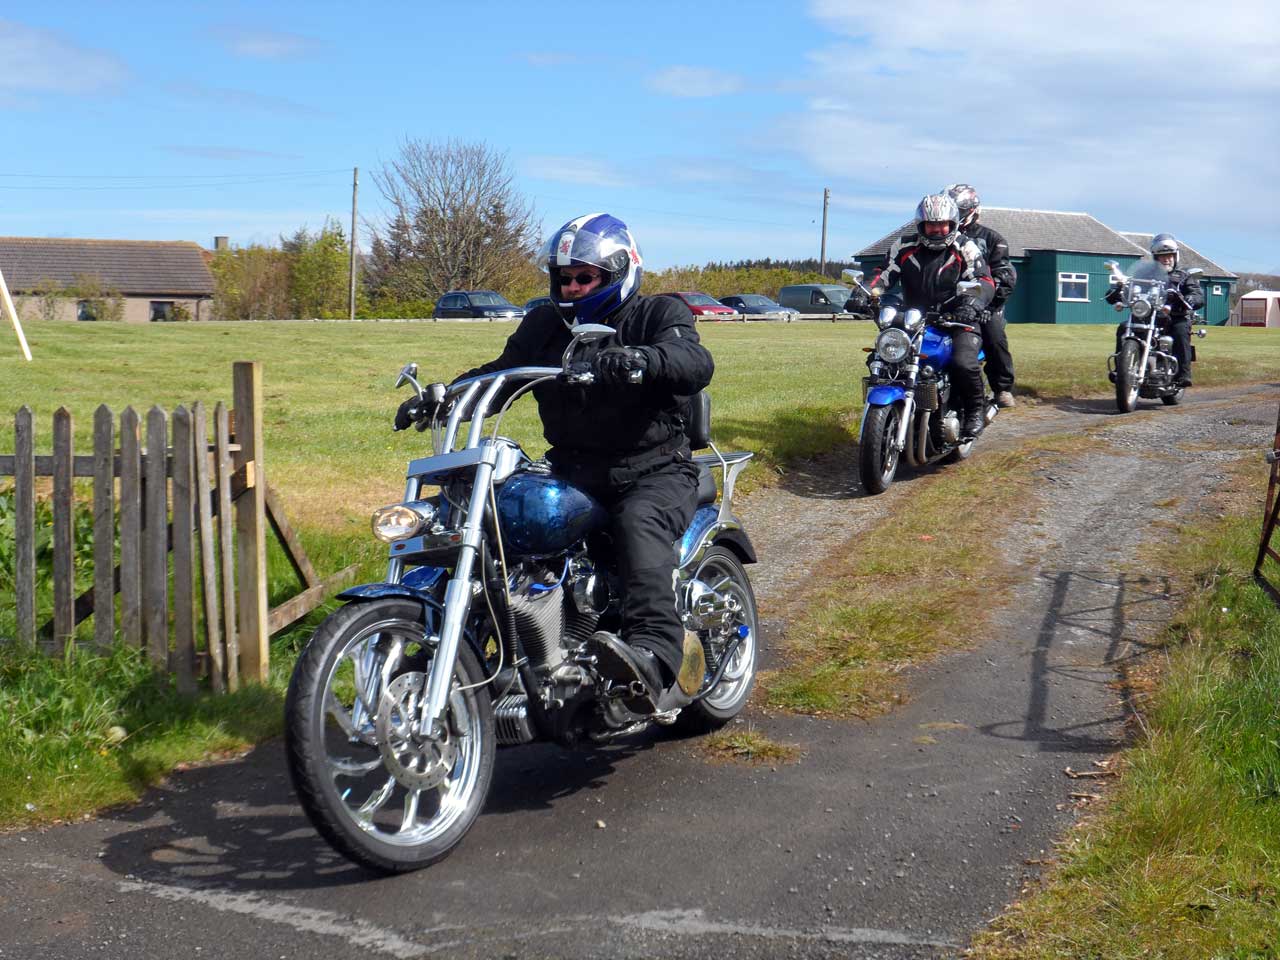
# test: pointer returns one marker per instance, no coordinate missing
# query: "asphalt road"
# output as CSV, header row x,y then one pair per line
x,y
895,838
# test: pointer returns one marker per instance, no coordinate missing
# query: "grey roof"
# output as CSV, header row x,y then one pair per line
x,y
1188,256
132,267
1036,230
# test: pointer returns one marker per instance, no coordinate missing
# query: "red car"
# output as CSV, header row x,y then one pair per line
x,y
701,305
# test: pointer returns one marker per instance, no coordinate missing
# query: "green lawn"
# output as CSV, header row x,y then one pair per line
x,y
783,390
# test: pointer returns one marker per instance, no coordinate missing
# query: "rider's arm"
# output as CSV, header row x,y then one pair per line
x,y
1002,271
883,280
677,359
976,269
1192,293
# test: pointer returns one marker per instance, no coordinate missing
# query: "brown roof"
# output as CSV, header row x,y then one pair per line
x,y
133,267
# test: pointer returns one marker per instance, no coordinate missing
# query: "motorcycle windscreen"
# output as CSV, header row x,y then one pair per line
x,y
1147,282
542,515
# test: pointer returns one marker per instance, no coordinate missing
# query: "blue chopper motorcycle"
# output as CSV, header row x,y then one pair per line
x,y
909,407
499,573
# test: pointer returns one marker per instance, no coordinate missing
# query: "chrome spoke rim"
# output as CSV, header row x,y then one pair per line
x,y
733,683
383,793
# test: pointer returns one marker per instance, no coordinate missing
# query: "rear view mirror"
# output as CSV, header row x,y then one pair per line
x,y
587,332
1195,271
409,375
967,286
852,275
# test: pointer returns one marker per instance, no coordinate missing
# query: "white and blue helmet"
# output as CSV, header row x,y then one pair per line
x,y
1163,243
602,241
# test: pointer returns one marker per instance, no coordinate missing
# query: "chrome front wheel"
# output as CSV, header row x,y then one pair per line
x,y
383,792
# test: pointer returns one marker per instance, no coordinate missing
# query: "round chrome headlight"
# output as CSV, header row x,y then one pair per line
x,y
1141,309
893,346
402,520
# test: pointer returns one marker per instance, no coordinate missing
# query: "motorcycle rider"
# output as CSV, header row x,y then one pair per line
x,y
620,440
929,265
1183,299
994,247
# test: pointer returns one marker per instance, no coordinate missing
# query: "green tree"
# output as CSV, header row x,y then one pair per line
x,y
251,283
319,272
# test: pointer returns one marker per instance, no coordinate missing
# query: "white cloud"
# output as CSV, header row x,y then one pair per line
x,y
581,171
694,82
42,61
1137,114
260,44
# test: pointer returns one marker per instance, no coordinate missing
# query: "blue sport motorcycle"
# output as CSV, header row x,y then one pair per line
x,y
499,573
910,409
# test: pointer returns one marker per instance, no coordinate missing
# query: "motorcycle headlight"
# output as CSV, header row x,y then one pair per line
x,y
913,320
402,520
1141,309
893,346
886,317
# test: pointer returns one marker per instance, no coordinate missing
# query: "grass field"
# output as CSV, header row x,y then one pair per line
x,y
784,391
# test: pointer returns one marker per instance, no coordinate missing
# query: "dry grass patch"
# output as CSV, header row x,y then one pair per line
x,y
919,583
749,745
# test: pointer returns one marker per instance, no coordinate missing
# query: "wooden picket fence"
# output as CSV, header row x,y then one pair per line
x,y
191,511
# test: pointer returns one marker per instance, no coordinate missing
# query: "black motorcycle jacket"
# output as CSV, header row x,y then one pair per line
x,y
995,250
1182,287
612,423
929,277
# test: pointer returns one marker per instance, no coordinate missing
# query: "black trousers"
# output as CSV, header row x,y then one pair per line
x,y
651,499
966,373
1180,329
995,342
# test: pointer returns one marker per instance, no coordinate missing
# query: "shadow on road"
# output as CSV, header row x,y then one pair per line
x,y
237,826
1076,610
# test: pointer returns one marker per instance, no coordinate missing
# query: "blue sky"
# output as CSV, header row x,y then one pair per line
x,y
710,127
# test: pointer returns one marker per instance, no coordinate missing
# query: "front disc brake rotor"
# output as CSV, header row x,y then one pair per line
x,y
418,762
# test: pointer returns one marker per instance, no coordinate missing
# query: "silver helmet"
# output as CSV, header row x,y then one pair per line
x,y
1163,243
967,200
938,208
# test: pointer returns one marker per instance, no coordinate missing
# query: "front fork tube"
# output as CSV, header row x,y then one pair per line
x,y
908,408
457,603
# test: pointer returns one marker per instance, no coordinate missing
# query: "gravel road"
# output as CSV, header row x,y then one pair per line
x,y
895,838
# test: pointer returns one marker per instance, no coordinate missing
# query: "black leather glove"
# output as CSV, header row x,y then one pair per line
x,y
966,313
415,410
616,366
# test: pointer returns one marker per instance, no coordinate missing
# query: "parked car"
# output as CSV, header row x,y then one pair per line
x,y
758,305
815,297
701,305
476,305
535,303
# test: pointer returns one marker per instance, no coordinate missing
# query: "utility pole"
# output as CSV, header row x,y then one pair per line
x,y
355,184
826,199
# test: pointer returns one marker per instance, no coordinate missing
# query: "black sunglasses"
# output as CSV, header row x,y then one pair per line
x,y
581,279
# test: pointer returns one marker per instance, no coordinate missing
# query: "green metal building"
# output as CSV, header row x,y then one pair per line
x,y
1059,258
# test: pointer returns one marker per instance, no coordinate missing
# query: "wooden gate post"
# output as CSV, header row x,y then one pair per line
x,y
249,487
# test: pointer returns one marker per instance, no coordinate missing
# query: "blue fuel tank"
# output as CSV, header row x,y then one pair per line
x,y
543,515
935,348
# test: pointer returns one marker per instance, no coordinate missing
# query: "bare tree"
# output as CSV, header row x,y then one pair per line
x,y
458,221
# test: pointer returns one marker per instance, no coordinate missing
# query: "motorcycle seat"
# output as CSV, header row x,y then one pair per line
x,y
706,486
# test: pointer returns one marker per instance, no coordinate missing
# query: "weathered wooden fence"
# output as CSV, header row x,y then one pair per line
x,y
193,512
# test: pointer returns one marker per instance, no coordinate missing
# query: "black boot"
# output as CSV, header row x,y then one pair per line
x,y
633,667
974,423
